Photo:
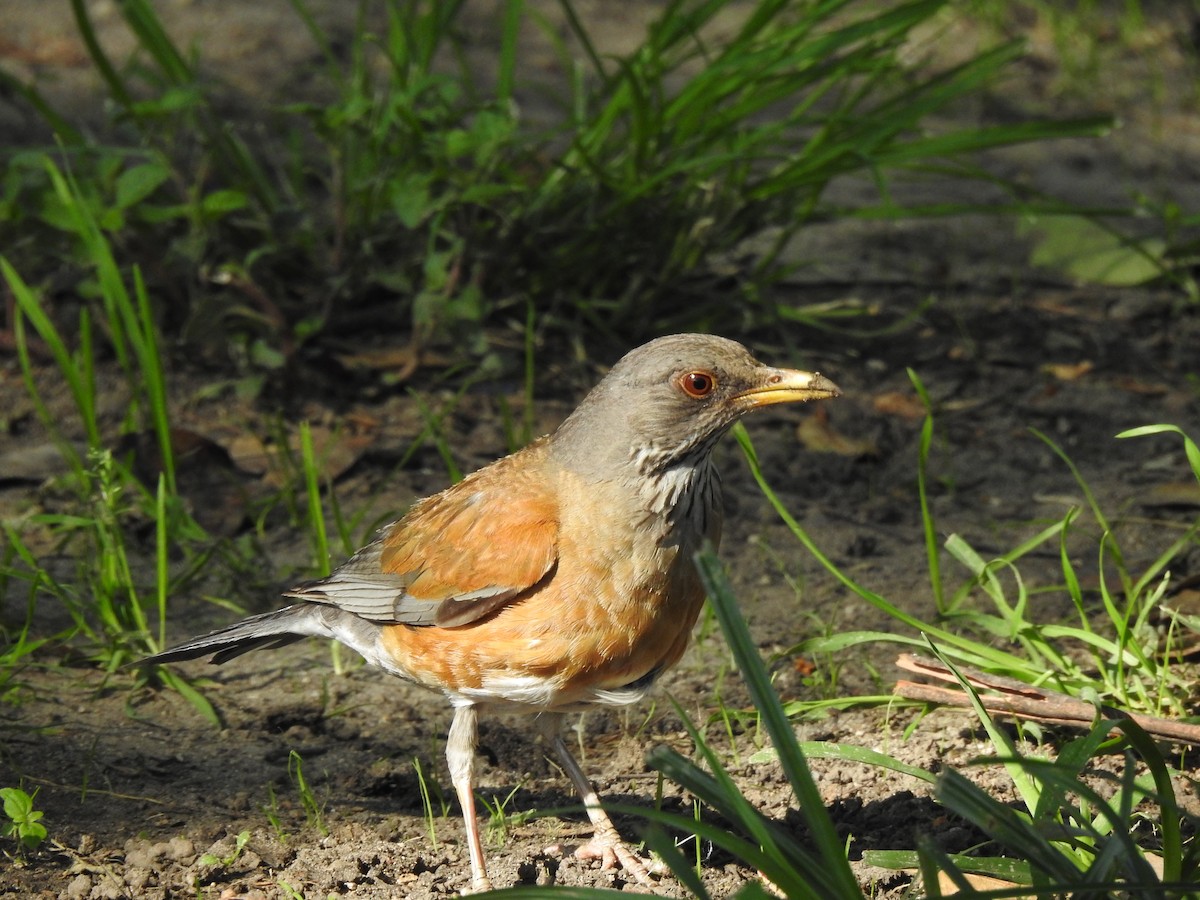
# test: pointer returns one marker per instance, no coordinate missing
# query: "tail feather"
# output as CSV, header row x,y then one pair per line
x,y
266,632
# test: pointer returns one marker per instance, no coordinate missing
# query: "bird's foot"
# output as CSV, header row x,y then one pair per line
x,y
613,852
479,885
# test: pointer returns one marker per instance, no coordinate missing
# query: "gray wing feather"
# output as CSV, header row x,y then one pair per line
x,y
359,587
269,630
348,606
276,629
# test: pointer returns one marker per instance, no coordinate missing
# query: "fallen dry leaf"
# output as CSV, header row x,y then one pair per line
x,y
978,882
1173,494
1069,371
36,464
901,404
1132,385
46,50
816,434
205,475
1068,306
336,448
399,362
249,454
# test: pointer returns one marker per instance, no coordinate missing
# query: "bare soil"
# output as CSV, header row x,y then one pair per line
x,y
138,789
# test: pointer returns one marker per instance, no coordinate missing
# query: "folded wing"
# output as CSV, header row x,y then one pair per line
x,y
455,557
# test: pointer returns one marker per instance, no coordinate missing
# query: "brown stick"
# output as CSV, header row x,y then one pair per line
x,y
1009,697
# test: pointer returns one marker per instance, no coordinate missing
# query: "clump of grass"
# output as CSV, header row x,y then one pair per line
x,y
235,853
434,196
270,810
1069,833
1125,663
430,790
17,643
107,602
500,820
1131,838
1066,835
314,809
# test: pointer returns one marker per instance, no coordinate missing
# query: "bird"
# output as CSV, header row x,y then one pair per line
x,y
555,578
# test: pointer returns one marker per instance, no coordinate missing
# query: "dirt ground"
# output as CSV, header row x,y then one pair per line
x,y
139,792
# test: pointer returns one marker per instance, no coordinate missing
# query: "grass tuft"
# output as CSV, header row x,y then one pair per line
x,y
1120,660
421,186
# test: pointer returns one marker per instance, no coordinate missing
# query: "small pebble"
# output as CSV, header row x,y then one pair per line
x,y
79,888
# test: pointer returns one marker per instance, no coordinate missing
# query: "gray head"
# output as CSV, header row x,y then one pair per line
x,y
667,402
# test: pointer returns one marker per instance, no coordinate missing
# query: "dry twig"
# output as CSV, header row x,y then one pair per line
x,y
1003,696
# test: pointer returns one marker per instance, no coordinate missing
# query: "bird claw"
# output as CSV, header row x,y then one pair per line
x,y
612,853
478,886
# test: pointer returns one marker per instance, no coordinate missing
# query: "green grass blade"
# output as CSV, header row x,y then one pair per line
x,y
76,371
1027,789
63,130
153,38
161,559
830,848
316,510
1004,824
321,39
771,850
986,657
510,32
185,689
1101,519
116,85
833,750
661,845
1170,833
1189,446
139,325
1014,870
932,544
99,255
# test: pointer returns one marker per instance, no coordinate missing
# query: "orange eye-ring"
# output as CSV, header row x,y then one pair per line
x,y
698,384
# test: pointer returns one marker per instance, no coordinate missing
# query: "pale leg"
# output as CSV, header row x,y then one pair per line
x,y
460,757
606,844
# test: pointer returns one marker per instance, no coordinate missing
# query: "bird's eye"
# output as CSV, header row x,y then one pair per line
x,y
698,384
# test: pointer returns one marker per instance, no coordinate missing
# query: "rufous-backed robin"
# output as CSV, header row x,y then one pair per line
x,y
557,577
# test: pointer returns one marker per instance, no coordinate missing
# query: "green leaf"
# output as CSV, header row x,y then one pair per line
x,y
17,804
1014,870
33,834
139,182
410,198
1088,252
23,819
460,143
193,696
1189,446
170,102
831,750
264,355
220,202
